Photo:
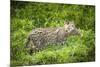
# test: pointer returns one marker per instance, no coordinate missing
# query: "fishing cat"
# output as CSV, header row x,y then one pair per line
x,y
40,37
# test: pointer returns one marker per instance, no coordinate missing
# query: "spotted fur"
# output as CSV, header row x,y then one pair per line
x,y
41,37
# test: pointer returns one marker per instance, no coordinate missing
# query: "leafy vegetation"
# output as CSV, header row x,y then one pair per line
x,y
28,15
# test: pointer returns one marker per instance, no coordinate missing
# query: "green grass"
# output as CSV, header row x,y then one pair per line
x,y
26,16
76,49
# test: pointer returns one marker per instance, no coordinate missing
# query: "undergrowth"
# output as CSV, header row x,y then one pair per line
x,y
26,16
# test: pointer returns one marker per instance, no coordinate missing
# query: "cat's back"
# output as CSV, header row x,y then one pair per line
x,y
42,31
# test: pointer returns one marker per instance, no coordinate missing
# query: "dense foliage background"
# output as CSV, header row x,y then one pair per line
x,y
28,15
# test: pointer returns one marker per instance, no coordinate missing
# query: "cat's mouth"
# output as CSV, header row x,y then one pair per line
x,y
76,32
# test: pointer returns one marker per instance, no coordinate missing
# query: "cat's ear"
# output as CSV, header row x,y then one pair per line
x,y
66,23
72,22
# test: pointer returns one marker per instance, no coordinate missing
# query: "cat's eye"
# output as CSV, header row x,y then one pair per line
x,y
73,26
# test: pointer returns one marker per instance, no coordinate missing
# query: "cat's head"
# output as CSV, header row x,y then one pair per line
x,y
71,28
